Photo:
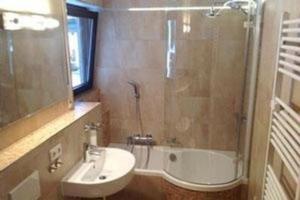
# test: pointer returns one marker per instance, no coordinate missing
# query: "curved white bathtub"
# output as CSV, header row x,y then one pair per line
x,y
194,169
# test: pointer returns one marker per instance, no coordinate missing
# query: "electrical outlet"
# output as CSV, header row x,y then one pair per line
x,y
55,153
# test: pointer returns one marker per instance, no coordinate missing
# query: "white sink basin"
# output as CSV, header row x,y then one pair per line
x,y
94,180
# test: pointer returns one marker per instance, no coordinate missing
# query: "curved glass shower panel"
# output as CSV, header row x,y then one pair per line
x,y
188,59
204,88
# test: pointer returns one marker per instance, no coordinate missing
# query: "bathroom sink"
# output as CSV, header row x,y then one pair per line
x,y
101,176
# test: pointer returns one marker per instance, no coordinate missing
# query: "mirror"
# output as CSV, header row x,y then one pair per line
x,y
33,65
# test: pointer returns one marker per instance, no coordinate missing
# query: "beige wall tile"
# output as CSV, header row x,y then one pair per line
x,y
202,90
71,138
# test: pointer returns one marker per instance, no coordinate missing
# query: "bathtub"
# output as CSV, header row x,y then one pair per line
x,y
192,169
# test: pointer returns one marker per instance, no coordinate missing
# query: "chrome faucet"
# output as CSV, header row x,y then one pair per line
x,y
89,149
85,149
92,126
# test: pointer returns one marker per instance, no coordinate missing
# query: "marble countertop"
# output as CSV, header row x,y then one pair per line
x,y
28,143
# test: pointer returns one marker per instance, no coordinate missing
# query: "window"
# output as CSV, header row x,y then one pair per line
x,y
82,27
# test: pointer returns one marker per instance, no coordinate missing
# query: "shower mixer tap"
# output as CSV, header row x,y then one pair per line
x,y
140,140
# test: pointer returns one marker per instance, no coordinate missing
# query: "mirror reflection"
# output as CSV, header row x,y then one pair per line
x,y
33,72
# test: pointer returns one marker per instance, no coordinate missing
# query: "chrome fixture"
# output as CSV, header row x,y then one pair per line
x,y
140,140
136,90
233,4
92,126
137,95
89,149
238,5
212,13
242,5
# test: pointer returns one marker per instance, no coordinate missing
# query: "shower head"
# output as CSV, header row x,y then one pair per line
x,y
238,5
234,5
135,86
212,13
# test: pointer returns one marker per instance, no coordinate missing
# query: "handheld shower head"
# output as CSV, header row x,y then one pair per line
x,y
136,90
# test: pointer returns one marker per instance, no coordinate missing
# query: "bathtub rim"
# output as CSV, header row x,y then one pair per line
x,y
190,186
184,184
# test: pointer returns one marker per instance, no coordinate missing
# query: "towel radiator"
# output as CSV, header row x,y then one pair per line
x,y
282,168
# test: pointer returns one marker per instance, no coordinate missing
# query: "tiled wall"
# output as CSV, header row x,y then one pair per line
x,y
272,13
126,53
199,105
71,138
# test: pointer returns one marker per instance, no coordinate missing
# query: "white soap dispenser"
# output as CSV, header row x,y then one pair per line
x,y
93,136
92,131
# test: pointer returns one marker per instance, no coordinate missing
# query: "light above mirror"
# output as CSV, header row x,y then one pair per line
x,y
32,6
14,21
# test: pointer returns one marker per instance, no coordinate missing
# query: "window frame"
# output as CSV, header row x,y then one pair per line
x,y
78,11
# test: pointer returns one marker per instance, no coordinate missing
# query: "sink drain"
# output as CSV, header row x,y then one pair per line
x,y
102,177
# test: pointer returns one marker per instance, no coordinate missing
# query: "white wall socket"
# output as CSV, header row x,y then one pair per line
x,y
55,153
